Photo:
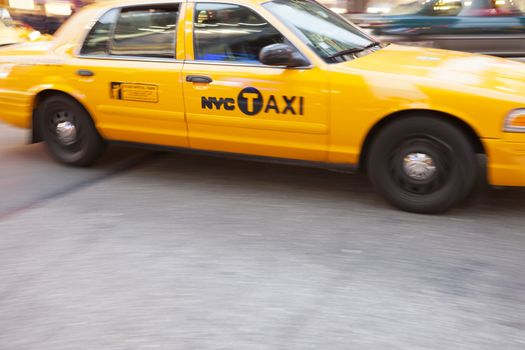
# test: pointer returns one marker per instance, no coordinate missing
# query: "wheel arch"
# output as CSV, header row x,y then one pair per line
x,y
465,128
39,98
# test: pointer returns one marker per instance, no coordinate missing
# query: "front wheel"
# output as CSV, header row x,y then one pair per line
x,y
69,133
422,164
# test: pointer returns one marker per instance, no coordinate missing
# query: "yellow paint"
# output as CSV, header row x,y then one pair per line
x,y
341,102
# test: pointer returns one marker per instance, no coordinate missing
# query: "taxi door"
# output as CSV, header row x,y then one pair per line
x,y
236,104
129,71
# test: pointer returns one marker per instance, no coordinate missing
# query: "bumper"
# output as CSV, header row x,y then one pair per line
x,y
15,109
506,161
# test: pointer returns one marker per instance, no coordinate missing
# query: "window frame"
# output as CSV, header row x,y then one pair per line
x,y
239,63
108,56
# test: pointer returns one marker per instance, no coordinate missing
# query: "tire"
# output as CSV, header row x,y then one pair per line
x,y
422,164
69,133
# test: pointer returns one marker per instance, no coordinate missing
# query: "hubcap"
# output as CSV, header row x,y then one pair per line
x,y
66,132
419,166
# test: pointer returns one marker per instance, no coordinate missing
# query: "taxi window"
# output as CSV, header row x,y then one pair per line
x,y
227,32
96,42
146,32
137,31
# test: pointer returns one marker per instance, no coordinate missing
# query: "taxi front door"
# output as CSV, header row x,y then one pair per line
x,y
234,103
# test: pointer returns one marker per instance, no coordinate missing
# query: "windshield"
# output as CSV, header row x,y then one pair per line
x,y
322,30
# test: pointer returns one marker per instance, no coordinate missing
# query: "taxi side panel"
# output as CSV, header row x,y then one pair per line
x,y
134,101
292,120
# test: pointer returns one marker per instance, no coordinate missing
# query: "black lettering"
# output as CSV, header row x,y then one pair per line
x,y
116,91
272,104
218,103
208,102
250,101
229,104
289,104
301,109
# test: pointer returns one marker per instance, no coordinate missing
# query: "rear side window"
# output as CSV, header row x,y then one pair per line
x,y
146,32
138,32
97,41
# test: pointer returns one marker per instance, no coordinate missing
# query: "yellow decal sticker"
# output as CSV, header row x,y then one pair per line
x,y
135,92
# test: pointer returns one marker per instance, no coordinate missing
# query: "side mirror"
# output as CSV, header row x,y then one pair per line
x,y
282,55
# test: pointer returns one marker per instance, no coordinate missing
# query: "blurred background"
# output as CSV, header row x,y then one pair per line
x,y
44,16
495,27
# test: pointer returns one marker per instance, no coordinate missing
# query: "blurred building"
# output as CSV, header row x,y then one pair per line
x,y
47,15
346,6
385,6
43,15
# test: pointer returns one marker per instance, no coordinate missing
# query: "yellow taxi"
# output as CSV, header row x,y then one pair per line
x,y
285,79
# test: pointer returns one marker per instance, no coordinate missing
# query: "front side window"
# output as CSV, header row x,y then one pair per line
x,y
138,32
322,30
227,32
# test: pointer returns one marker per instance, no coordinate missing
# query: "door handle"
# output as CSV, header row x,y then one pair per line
x,y
198,79
85,73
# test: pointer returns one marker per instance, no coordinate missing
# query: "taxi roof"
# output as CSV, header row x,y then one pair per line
x,y
69,32
118,3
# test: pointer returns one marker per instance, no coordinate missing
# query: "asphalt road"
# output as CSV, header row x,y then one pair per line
x,y
168,251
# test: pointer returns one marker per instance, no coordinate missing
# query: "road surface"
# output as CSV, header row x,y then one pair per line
x,y
151,250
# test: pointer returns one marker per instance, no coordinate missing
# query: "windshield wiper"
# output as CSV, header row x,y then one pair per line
x,y
355,50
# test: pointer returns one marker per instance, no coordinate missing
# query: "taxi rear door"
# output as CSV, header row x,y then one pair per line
x,y
129,71
234,103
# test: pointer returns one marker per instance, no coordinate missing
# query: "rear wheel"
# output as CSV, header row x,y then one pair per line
x,y
422,164
69,133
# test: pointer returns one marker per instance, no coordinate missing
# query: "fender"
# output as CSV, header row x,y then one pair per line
x,y
41,90
37,90
350,146
436,108
463,122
